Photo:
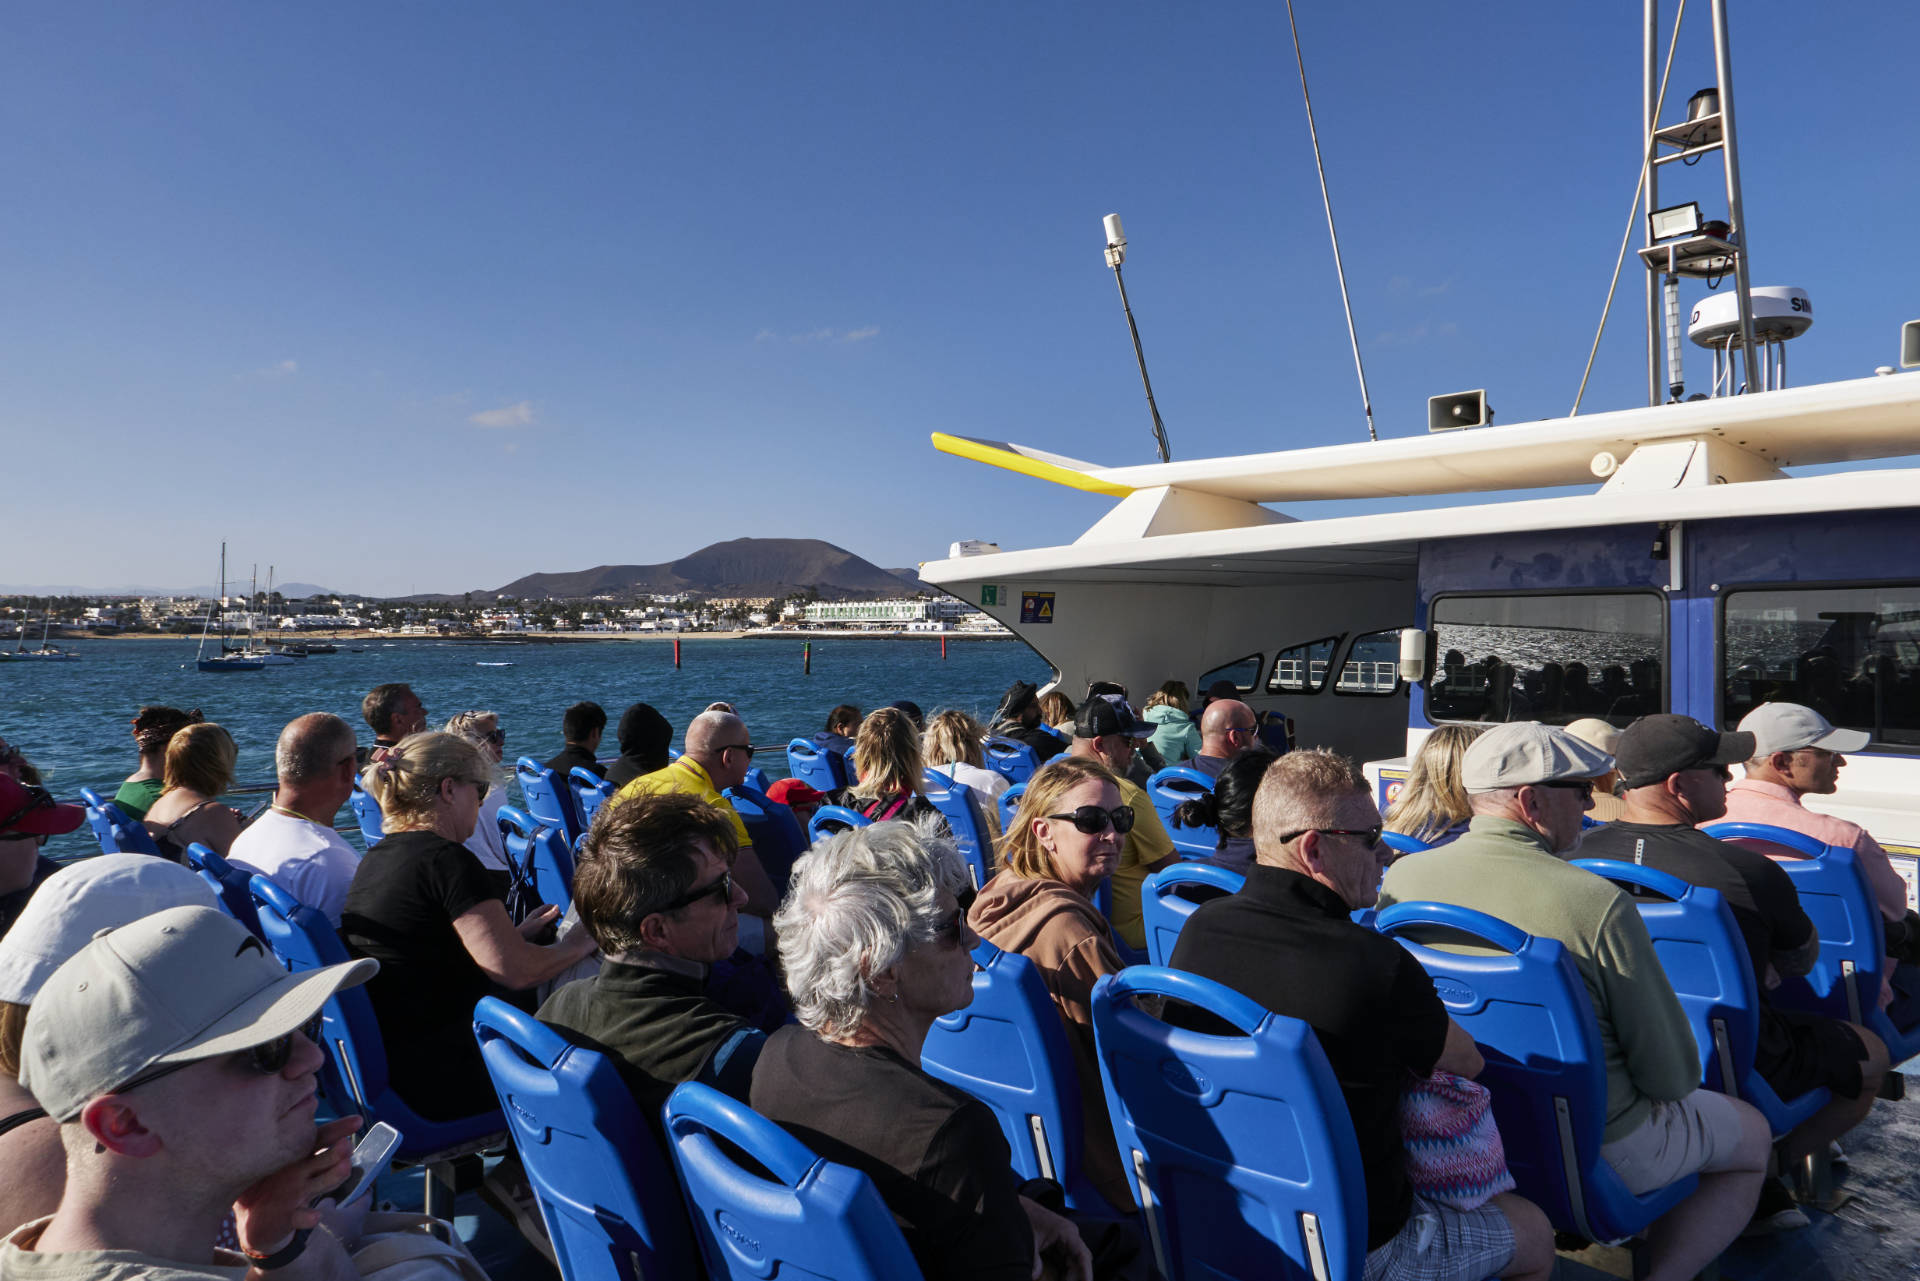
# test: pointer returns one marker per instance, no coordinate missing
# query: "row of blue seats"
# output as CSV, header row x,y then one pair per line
x,y
828,769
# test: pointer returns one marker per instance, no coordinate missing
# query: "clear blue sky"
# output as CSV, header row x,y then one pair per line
x,y
428,296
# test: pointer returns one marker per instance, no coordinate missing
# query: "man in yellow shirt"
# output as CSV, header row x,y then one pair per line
x,y
717,756
1106,730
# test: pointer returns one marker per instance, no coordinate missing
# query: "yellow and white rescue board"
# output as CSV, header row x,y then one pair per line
x,y
1749,437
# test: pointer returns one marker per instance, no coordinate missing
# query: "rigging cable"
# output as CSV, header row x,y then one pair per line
x,y
1366,401
1633,212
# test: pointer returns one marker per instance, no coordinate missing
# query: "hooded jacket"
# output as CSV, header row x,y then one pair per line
x,y
1071,945
1175,735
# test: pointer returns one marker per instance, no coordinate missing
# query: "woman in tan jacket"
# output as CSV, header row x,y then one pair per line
x,y
1063,841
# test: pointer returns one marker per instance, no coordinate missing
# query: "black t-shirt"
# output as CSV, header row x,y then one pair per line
x,y
571,755
11,905
1287,942
934,1152
400,910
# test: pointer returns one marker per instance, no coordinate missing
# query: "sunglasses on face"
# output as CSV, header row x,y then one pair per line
x,y
269,1058
949,930
497,737
37,799
1570,785
1092,820
721,889
480,783
748,748
1369,835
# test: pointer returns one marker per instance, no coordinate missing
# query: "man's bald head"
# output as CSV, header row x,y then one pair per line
x,y
1226,727
312,746
709,736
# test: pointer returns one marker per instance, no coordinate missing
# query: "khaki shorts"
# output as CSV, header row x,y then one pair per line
x,y
1699,1132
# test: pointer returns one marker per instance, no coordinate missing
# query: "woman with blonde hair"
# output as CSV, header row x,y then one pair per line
x,y
1175,736
886,756
199,768
1432,806
1056,711
423,906
482,729
951,746
1063,841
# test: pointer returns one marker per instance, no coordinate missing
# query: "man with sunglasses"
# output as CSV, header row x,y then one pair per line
x,y
293,844
1530,785
1673,775
28,816
172,1054
1228,727
1106,730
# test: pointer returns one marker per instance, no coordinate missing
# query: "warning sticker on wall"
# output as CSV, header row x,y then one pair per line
x,y
1036,607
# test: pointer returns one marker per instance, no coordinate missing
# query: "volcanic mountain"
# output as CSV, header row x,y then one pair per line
x,y
738,567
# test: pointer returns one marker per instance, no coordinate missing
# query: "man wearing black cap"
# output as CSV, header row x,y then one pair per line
x,y
1673,776
1019,719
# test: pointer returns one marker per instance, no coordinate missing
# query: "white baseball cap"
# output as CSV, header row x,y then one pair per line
x,y
1520,753
178,986
80,900
1788,727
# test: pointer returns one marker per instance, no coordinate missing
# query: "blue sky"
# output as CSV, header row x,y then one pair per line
x,y
428,296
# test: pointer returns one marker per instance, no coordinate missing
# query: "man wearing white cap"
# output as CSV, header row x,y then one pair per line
x,y
172,1054
1530,785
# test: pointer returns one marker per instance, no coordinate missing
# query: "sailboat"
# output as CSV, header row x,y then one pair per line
x,y
46,653
227,660
263,654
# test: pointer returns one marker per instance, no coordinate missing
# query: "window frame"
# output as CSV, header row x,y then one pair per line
x,y
1259,658
1338,639
1400,684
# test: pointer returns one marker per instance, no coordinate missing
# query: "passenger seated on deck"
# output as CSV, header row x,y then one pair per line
x,y
1018,718
488,843
199,768
1175,736
28,816
81,899
886,756
1056,712
1105,731
1228,810
875,947
172,1120
951,745
293,844
1063,841
652,883
1530,786
1286,941
392,711
1674,771
423,906
153,729
644,737
1432,806
1798,753
1227,727
1601,734
843,722
581,725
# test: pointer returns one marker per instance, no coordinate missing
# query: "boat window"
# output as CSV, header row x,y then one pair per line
x,y
1850,653
1373,664
1555,659
1303,669
1243,672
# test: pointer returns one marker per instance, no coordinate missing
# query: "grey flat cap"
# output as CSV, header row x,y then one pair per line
x,y
1523,752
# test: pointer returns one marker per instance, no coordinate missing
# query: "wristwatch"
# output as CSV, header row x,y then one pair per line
x,y
286,1254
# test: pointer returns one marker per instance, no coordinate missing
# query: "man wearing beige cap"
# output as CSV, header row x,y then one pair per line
x,y
1530,785
172,1054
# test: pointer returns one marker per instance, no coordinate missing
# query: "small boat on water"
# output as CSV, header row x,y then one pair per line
x,y
46,653
227,660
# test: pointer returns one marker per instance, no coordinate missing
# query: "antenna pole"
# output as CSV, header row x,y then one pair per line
x,y
1117,254
1730,157
1366,401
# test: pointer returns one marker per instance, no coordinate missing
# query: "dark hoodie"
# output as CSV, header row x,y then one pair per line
x,y
1071,945
644,738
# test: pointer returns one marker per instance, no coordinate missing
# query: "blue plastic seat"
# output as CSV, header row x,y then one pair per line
x,y
812,1218
773,830
1009,804
1164,912
1242,1152
607,1195
303,940
590,792
232,884
544,857
830,820
548,798
1170,788
1009,757
1009,1050
366,812
1528,1010
960,806
818,767
1845,980
1401,843
116,833
1705,957
756,778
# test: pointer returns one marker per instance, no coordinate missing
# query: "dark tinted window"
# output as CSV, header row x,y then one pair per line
x,y
1302,669
1547,658
1373,664
1241,671
1850,653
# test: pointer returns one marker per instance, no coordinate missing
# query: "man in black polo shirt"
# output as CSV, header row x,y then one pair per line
x,y
1286,941
1673,776
1018,718
581,725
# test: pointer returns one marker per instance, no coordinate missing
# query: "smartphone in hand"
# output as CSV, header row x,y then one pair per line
x,y
371,1157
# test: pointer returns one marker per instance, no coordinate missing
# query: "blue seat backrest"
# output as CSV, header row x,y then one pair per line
x,y
548,798
302,940
1009,805
960,806
774,831
1165,913
1170,788
1009,1050
231,883
1009,756
366,812
818,767
1241,1147
1527,1008
542,855
117,833
1401,843
811,1218
829,819
590,792
757,779
608,1197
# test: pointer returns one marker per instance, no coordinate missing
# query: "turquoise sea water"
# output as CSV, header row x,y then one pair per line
x,y
71,719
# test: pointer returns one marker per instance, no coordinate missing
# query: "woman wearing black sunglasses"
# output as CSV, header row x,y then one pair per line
x,y
1064,840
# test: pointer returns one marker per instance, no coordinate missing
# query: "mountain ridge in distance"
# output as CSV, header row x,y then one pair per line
x,y
736,567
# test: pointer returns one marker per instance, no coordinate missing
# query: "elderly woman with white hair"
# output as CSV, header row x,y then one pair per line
x,y
875,946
